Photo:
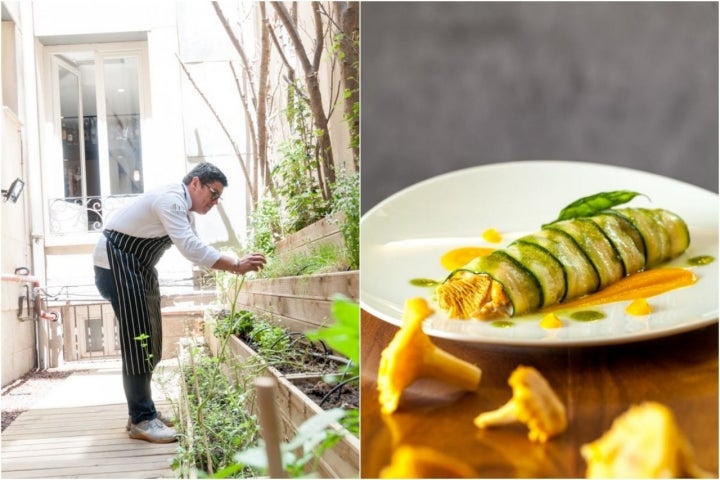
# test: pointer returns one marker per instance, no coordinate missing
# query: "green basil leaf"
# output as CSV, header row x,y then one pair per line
x,y
593,204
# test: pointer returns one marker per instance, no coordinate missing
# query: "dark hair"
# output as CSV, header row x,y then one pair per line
x,y
207,173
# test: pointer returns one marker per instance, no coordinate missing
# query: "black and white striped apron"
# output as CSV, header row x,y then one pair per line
x,y
132,262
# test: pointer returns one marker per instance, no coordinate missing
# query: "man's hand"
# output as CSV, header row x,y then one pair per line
x,y
252,262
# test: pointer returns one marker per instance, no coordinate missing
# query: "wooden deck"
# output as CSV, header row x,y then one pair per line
x,y
78,430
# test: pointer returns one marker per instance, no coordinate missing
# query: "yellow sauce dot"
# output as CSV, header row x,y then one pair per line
x,y
460,257
491,235
551,321
639,306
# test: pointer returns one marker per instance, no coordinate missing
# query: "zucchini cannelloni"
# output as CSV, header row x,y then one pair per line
x,y
565,260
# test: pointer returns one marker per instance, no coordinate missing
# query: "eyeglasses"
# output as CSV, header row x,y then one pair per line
x,y
214,194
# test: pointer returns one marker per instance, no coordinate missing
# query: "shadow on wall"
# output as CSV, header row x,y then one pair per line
x,y
451,85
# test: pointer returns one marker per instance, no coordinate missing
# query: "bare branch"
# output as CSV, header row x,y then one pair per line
x,y
238,48
224,128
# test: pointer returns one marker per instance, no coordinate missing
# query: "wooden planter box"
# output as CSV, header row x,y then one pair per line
x,y
325,231
301,303
294,408
298,303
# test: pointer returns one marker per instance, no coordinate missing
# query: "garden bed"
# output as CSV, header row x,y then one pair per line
x,y
299,303
301,390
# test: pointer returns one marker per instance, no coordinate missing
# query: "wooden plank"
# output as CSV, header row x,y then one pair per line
x,y
311,311
324,230
298,303
319,286
120,445
84,441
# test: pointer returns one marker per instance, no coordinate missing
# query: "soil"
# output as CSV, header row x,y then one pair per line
x,y
328,395
303,356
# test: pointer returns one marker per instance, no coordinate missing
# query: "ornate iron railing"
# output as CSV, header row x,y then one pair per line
x,y
73,215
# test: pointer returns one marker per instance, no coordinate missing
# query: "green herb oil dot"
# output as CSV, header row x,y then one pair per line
x,y
424,282
502,324
587,315
701,260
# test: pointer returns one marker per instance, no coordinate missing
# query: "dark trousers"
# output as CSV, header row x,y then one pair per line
x,y
137,387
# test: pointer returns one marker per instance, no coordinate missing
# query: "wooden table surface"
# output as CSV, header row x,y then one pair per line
x,y
596,384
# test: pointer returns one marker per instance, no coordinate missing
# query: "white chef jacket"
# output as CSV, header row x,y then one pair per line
x,y
160,212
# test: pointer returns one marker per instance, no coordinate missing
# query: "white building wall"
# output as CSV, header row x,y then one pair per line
x,y
18,338
173,121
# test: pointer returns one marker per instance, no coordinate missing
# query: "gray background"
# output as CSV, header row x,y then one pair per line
x,y
451,85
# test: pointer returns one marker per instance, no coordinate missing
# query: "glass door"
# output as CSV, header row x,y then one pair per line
x,y
122,117
72,130
98,93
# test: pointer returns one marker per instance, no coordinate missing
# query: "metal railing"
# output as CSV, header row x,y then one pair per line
x,y
73,215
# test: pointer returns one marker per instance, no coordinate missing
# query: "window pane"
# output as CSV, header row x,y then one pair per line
x,y
123,124
69,106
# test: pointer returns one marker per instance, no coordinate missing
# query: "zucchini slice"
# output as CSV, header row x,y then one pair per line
x,y
520,285
545,268
653,231
580,274
593,241
677,229
625,239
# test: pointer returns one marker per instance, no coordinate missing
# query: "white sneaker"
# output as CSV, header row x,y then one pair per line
x,y
166,420
154,431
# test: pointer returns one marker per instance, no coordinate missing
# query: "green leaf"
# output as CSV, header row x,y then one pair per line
x,y
315,429
344,334
593,204
254,457
226,472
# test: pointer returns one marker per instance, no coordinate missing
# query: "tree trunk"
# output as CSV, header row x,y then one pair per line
x,y
236,149
262,97
311,81
350,24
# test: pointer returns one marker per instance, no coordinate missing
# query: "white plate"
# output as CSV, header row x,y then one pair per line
x,y
404,237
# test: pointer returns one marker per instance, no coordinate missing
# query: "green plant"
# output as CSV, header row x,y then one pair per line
x,y
143,340
300,193
299,183
322,258
234,323
319,433
314,436
216,399
216,414
343,335
346,199
271,341
265,226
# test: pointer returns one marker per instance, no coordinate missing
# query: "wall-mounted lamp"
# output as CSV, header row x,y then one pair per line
x,y
13,193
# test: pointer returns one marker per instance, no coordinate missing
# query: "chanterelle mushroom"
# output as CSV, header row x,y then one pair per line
x,y
533,403
644,442
412,355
